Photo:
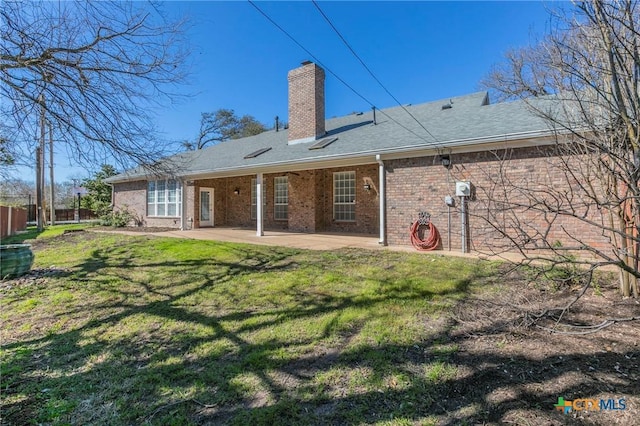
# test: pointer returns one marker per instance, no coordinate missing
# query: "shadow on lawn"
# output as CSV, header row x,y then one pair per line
x,y
126,379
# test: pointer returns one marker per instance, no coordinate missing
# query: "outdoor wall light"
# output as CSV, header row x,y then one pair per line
x,y
367,187
445,160
236,191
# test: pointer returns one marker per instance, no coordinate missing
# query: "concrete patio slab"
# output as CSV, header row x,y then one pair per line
x,y
324,241
279,238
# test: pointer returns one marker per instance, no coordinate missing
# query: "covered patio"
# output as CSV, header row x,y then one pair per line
x,y
307,241
322,241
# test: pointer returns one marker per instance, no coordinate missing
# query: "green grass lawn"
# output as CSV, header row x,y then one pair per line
x,y
143,330
32,233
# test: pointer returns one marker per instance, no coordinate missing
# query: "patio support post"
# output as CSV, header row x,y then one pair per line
x,y
259,201
382,200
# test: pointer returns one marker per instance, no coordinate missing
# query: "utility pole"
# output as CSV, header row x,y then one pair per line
x,y
38,191
40,168
52,204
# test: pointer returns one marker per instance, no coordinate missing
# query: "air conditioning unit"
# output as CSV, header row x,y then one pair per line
x,y
463,189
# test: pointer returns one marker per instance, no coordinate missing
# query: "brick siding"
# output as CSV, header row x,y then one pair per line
x,y
413,185
306,102
310,201
132,196
420,184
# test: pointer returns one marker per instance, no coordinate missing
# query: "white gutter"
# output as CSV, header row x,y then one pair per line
x,y
362,157
382,201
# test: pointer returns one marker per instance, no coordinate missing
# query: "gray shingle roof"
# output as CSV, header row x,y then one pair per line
x,y
470,120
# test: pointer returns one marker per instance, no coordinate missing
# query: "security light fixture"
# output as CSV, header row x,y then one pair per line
x,y
236,191
367,187
445,160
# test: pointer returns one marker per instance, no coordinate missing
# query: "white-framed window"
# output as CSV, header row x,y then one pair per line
x,y
281,198
254,198
344,196
164,198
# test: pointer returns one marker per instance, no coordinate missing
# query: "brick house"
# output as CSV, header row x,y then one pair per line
x,y
366,173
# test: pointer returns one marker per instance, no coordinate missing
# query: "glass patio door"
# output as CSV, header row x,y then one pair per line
x,y
206,207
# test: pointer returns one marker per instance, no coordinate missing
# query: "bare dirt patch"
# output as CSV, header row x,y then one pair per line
x,y
140,229
513,370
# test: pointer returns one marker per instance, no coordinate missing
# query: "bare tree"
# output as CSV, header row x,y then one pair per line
x,y
16,192
583,79
6,156
223,125
96,69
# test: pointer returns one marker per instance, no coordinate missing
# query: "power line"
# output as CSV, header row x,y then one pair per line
x,y
338,77
309,53
368,69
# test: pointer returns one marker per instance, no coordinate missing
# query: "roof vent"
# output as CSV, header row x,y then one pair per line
x,y
447,106
254,154
322,143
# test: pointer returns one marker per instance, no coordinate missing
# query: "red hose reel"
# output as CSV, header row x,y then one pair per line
x,y
431,239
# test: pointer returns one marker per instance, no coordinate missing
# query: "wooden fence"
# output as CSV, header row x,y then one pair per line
x,y
12,220
70,214
62,215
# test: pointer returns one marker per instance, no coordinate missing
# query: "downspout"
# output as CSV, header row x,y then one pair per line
x,y
383,197
259,231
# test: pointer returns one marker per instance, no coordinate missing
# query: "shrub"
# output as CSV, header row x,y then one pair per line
x,y
117,219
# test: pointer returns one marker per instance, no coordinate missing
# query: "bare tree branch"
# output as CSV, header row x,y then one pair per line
x,y
583,79
101,68
223,125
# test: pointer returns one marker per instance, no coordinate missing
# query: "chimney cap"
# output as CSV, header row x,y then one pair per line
x,y
307,62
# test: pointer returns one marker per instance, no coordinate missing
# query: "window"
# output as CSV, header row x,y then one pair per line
x,y
254,198
281,198
344,196
164,198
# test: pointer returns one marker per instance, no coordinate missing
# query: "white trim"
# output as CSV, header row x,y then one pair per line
x,y
382,201
276,204
516,140
259,219
211,222
166,203
254,199
362,158
342,203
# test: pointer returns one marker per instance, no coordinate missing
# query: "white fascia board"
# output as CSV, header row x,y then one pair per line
x,y
341,161
469,148
515,140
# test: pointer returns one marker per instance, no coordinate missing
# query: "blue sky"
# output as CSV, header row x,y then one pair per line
x,y
421,51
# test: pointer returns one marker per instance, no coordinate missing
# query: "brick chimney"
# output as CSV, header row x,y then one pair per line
x,y
306,103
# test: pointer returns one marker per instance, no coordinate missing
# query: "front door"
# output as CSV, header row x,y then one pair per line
x,y
206,207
